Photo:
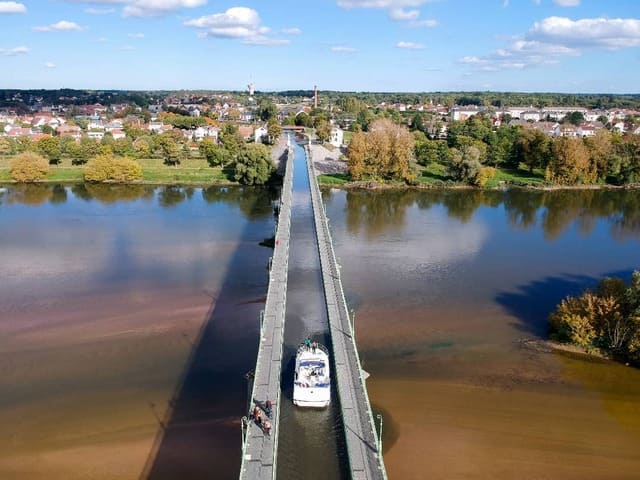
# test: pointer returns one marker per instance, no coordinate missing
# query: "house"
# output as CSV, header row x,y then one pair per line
x,y
118,134
72,131
566,130
337,136
462,113
95,134
113,125
246,131
531,115
156,127
548,128
260,133
586,130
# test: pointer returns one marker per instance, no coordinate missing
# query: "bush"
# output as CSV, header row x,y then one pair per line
x,y
484,175
109,168
29,167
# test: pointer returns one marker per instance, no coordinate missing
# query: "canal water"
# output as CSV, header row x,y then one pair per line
x,y
311,441
129,316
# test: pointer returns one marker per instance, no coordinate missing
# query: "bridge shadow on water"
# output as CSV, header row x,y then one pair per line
x,y
532,303
199,435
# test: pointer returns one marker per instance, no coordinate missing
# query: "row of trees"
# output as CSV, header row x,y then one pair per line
x,y
474,144
605,319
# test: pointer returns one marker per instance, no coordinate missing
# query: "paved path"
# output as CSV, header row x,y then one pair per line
x,y
259,452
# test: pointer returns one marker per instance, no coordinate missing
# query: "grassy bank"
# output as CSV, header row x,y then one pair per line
x,y
191,171
437,175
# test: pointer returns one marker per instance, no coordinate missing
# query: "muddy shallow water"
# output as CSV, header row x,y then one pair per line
x,y
447,287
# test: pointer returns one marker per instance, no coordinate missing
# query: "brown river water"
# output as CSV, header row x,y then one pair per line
x,y
129,316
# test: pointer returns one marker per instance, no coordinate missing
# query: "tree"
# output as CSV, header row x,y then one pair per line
x,y
90,148
570,163
142,147
465,165
600,149
323,130
575,118
168,149
214,154
267,110
28,167
532,147
6,146
274,130
49,147
253,165
231,140
384,152
109,168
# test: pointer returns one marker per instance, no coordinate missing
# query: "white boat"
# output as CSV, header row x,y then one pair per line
x,y
312,382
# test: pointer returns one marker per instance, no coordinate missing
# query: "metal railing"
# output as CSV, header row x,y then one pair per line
x,y
260,447
341,327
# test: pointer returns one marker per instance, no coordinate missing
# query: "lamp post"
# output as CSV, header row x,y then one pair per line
x,y
379,417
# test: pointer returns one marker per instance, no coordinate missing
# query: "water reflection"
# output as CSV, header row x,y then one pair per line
x,y
254,203
376,212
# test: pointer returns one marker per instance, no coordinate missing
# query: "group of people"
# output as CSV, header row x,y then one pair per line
x,y
261,416
311,345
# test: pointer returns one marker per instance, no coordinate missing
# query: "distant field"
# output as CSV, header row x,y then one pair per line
x,y
192,170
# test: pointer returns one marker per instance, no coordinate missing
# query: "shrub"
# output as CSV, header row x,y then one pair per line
x,y
109,168
29,167
484,175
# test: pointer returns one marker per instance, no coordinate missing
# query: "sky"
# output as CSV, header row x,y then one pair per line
x,y
581,46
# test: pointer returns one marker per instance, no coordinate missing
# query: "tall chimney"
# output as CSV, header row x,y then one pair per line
x,y
315,96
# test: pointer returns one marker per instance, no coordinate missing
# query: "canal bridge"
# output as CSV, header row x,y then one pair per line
x,y
260,448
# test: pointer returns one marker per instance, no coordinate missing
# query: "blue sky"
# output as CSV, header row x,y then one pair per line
x,y
355,45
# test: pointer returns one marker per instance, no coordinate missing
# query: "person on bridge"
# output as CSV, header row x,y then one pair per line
x,y
267,407
307,343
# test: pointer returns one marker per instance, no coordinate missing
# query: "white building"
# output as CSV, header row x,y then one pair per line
x,y
259,133
337,136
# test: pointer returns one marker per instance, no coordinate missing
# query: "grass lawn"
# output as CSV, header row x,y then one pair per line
x,y
517,177
193,170
334,179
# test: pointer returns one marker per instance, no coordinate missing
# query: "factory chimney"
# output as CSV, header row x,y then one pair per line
x,y
315,96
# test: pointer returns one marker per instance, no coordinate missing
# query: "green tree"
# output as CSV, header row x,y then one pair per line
x,y
465,165
267,110
575,118
532,147
7,146
28,167
168,149
142,146
49,147
253,165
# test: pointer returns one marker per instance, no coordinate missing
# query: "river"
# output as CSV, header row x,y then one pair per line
x,y
129,316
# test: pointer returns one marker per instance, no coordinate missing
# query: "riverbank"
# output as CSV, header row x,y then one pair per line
x,y
332,171
194,171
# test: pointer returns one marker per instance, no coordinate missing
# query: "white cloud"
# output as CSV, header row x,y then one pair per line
x,y
14,51
136,35
343,49
99,11
50,65
423,24
102,40
537,2
400,14
61,26
12,7
505,3
549,40
291,31
567,3
127,48
142,8
388,4
236,23
409,45
611,33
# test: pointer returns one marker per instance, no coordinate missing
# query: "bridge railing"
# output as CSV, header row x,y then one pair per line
x,y
333,285
259,447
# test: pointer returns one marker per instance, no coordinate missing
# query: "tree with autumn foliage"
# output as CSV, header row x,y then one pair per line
x,y
570,163
606,319
383,153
